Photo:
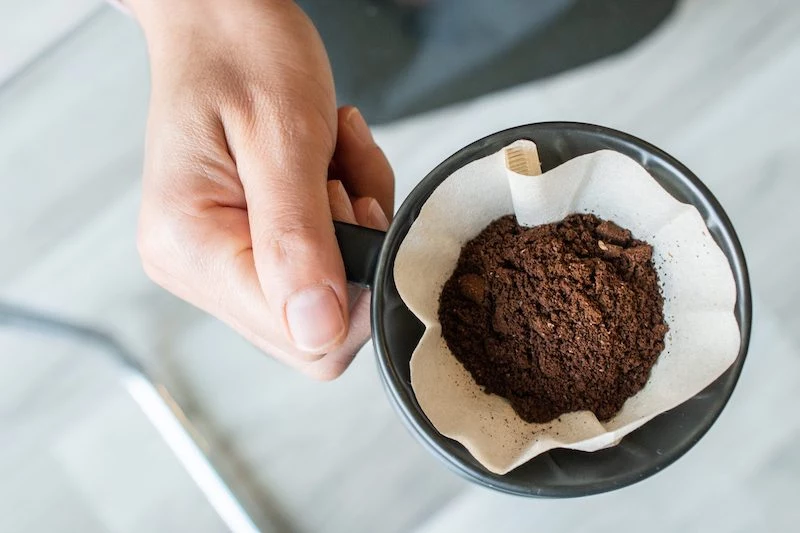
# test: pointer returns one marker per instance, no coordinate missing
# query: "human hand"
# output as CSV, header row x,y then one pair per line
x,y
237,211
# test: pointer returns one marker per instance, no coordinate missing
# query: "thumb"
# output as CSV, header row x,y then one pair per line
x,y
296,255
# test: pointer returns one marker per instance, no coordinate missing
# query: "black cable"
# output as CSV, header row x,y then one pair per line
x,y
38,322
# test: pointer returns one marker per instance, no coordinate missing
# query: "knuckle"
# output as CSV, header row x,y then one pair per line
x,y
156,243
288,243
286,115
148,245
312,122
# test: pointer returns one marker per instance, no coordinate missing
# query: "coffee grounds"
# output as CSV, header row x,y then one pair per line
x,y
557,318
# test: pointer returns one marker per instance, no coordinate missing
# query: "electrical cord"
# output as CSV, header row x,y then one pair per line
x,y
37,322
157,404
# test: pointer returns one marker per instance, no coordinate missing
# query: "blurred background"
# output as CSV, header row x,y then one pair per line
x,y
87,446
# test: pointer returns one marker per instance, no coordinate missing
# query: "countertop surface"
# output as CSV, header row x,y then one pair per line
x,y
715,85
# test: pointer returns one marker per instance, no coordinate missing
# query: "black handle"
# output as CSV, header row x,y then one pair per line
x,y
360,249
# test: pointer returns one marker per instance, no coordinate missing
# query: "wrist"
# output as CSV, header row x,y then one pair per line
x,y
158,17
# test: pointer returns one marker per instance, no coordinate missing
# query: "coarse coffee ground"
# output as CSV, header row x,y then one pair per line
x,y
557,318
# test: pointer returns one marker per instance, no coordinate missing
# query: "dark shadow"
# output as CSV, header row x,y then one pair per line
x,y
394,61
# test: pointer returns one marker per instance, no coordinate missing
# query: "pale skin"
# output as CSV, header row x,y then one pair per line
x,y
237,209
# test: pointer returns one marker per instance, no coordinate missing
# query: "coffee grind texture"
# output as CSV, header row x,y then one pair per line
x,y
556,318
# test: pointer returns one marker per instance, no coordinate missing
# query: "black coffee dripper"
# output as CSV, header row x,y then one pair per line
x,y
369,257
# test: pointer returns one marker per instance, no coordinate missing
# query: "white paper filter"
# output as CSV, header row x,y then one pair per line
x,y
697,283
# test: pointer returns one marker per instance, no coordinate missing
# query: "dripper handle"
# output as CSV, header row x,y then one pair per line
x,y
360,248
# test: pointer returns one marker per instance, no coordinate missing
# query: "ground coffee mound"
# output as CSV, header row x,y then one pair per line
x,y
556,318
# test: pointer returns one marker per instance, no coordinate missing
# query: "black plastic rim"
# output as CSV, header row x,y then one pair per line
x,y
560,473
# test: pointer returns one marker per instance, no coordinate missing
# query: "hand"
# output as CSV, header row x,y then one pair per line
x,y
237,211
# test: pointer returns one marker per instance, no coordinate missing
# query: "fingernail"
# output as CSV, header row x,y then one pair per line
x,y
376,216
359,126
315,319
